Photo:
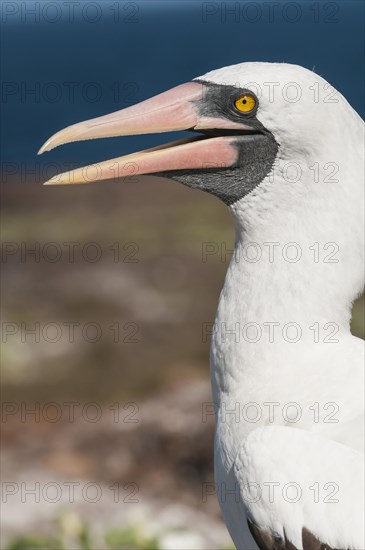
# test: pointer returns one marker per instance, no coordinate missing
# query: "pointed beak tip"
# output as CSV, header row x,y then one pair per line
x,y
45,147
58,179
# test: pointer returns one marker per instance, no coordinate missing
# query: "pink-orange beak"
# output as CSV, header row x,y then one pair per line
x,y
176,109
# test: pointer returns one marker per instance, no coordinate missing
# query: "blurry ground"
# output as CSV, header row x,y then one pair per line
x,y
105,337
117,319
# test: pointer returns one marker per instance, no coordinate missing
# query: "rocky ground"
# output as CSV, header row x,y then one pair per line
x,y
146,466
136,360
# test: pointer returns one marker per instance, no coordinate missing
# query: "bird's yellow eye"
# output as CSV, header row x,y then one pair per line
x,y
245,103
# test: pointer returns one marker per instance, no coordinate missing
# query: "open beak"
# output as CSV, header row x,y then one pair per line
x,y
177,109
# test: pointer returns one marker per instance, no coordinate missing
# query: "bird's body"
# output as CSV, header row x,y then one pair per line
x,y
282,352
287,375
263,376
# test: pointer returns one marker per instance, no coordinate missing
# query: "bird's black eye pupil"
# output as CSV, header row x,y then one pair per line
x,y
244,100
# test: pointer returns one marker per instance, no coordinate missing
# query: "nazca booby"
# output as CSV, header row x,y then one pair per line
x,y
285,152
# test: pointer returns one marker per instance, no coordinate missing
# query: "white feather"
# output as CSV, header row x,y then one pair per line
x,y
317,210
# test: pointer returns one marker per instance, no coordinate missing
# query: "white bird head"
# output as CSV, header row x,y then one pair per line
x,y
248,116
271,137
274,141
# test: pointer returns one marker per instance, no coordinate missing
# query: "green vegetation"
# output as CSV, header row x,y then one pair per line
x,y
35,542
71,532
129,538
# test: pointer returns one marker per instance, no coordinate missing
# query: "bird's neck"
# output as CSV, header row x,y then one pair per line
x,y
284,278
290,284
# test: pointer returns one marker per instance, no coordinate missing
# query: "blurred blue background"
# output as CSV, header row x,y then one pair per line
x,y
79,60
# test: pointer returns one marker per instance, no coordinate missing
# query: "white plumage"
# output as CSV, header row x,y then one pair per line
x,y
318,294
287,375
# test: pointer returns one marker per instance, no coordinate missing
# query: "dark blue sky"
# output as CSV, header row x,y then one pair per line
x,y
64,61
